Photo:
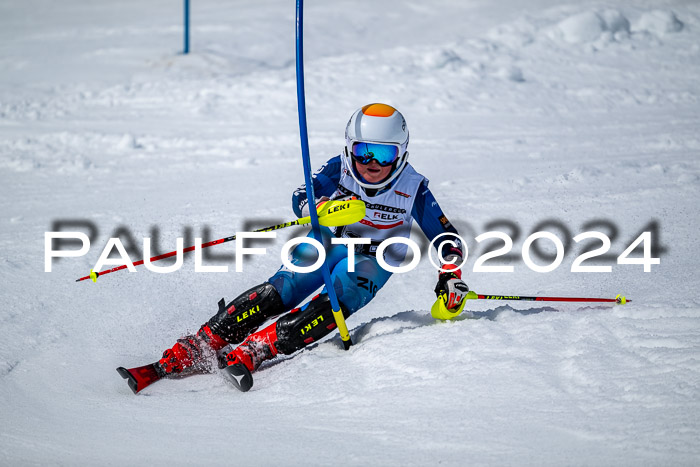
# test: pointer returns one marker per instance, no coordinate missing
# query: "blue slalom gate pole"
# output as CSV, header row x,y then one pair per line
x,y
186,49
303,133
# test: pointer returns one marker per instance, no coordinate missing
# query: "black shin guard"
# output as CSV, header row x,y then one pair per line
x,y
246,313
300,328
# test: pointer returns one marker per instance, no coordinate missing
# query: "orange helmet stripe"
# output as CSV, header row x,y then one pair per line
x,y
378,110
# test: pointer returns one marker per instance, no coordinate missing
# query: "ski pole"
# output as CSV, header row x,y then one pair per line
x,y
331,214
475,296
439,309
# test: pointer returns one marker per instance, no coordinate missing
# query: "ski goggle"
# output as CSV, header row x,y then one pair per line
x,y
384,154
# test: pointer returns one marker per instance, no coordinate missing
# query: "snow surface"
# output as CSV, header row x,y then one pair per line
x,y
523,111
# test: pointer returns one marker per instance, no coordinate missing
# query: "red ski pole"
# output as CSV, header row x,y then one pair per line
x,y
439,309
331,214
475,296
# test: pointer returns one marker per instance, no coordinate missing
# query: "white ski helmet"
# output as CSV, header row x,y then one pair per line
x,y
382,128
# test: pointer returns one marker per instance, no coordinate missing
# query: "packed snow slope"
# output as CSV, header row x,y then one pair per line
x,y
525,116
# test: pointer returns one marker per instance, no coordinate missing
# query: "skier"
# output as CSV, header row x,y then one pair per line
x,y
374,168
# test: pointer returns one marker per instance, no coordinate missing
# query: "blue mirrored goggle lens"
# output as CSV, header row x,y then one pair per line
x,y
384,154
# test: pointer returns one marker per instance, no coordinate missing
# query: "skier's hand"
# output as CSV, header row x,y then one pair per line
x,y
451,285
320,202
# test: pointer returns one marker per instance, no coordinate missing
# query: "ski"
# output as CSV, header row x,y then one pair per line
x,y
140,377
239,376
143,376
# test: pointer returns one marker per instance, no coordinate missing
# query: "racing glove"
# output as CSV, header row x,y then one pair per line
x,y
450,287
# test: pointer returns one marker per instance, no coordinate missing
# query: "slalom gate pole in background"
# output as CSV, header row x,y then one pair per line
x,y
303,133
350,212
186,49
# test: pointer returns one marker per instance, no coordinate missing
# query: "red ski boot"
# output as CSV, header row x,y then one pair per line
x,y
248,356
189,355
